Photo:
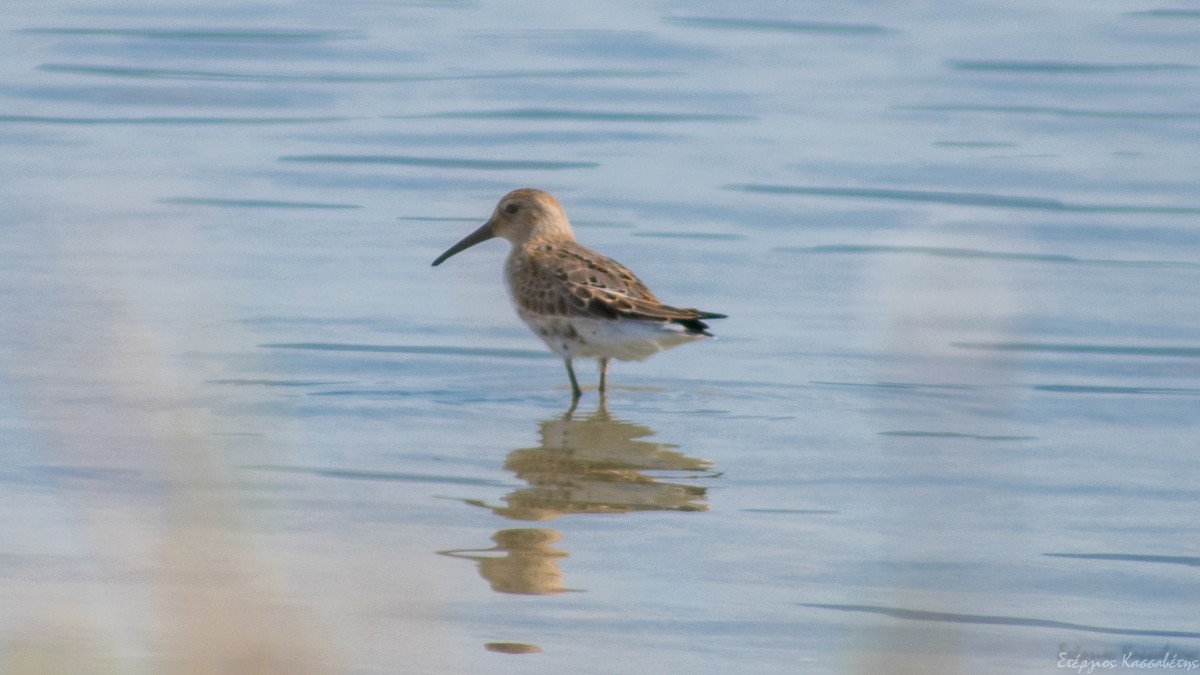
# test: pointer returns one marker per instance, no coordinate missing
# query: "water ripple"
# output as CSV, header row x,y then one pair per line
x,y
1189,561
948,617
955,434
960,199
272,36
795,512
355,474
1121,391
976,144
773,25
275,383
722,236
182,121
1064,66
412,349
1145,115
443,162
379,393
580,115
1114,350
220,76
332,78
253,203
1168,13
898,385
953,252
495,137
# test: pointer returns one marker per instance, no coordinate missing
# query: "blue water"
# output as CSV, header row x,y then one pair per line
x,y
950,425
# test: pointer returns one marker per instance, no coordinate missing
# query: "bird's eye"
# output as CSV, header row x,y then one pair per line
x,y
511,208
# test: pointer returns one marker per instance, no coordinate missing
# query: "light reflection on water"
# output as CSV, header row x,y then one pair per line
x,y
951,420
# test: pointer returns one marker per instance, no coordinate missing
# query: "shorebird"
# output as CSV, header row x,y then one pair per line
x,y
580,303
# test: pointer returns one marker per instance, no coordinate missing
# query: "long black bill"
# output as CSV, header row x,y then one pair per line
x,y
482,234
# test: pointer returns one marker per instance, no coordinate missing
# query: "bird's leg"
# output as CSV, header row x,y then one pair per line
x,y
571,411
574,383
603,374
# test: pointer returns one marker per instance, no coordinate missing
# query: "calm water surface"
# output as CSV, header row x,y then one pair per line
x,y
951,424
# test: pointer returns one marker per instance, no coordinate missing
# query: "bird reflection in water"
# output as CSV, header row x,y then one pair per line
x,y
599,464
522,561
594,465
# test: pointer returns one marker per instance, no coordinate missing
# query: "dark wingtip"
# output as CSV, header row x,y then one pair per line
x,y
698,326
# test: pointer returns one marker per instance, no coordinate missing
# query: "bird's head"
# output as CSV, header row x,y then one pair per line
x,y
520,216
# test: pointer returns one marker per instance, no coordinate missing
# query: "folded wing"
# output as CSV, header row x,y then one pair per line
x,y
570,280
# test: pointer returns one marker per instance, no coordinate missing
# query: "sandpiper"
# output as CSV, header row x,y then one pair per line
x,y
580,303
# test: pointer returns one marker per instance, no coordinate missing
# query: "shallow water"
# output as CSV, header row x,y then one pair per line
x,y
950,425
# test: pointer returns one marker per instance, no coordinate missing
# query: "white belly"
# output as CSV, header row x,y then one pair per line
x,y
621,339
